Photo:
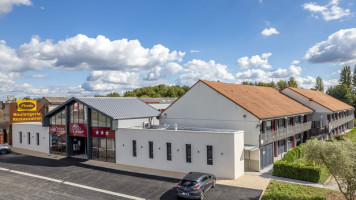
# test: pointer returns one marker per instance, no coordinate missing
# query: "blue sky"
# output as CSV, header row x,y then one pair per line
x,y
83,48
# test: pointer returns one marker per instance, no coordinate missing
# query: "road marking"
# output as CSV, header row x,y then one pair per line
x,y
73,184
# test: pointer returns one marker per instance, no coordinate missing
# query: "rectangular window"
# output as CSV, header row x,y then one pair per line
x,y
297,119
29,137
210,154
188,150
269,125
305,119
150,143
20,137
38,138
134,148
281,123
169,151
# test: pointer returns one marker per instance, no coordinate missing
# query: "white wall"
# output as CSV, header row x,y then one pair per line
x,y
33,128
228,158
126,123
202,106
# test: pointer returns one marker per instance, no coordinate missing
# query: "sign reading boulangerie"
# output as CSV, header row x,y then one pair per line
x,y
79,130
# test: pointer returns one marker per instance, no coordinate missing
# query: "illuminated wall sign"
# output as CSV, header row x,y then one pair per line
x,y
27,105
79,130
102,132
57,129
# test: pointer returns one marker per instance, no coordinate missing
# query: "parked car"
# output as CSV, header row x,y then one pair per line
x,y
195,184
4,149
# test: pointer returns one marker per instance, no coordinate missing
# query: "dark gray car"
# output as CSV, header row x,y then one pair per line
x,y
195,184
4,149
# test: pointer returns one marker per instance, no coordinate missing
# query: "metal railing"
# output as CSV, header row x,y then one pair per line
x,y
340,121
281,133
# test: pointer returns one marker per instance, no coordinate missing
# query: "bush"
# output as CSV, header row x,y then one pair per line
x,y
296,171
294,154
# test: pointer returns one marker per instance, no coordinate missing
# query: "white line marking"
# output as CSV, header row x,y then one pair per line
x,y
73,184
103,191
36,176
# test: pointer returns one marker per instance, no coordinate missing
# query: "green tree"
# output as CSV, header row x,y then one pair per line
x,y
339,157
113,94
282,84
26,98
319,85
345,76
342,93
130,94
292,82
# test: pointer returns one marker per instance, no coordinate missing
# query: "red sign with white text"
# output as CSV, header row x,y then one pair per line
x,y
79,130
57,129
102,132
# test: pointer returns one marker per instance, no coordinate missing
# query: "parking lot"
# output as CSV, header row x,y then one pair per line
x,y
70,179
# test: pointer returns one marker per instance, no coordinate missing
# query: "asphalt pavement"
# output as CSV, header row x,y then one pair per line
x,y
80,181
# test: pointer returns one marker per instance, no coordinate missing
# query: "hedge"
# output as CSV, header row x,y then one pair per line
x,y
294,154
296,171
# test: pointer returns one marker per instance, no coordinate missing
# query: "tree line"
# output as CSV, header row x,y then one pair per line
x,y
157,91
346,89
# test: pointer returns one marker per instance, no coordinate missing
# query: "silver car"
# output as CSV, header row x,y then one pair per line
x,y
4,149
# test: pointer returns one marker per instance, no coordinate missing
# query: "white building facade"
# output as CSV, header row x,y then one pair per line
x,y
219,152
272,122
31,136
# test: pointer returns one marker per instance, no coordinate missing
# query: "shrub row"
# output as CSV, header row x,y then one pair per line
x,y
294,154
296,171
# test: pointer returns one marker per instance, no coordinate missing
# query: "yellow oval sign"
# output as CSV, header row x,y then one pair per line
x,y
26,105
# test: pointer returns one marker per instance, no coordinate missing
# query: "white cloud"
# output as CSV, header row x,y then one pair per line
x,y
255,61
295,62
111,81
154,74
269,31
331,83
7,5
39,76
83,53
331,11
172,68
339,48
194,51
259,75
199,69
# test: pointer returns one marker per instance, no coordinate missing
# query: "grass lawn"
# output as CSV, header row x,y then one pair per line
x,y
278,190
352,135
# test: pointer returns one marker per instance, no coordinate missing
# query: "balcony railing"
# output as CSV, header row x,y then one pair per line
x,y
281,133
340,121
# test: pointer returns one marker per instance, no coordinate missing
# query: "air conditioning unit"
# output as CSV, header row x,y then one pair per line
x,y
146,125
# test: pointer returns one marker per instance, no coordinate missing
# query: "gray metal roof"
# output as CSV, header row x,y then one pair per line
x,y
114,107
56,99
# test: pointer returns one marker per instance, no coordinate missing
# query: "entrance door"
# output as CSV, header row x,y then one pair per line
x,y
79,145
266,155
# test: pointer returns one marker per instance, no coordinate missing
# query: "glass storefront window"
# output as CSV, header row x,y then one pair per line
x,y
59,118
99,120
103,149
57,144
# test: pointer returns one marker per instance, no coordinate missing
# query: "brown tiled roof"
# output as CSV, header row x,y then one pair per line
x,y
323,99
263,102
